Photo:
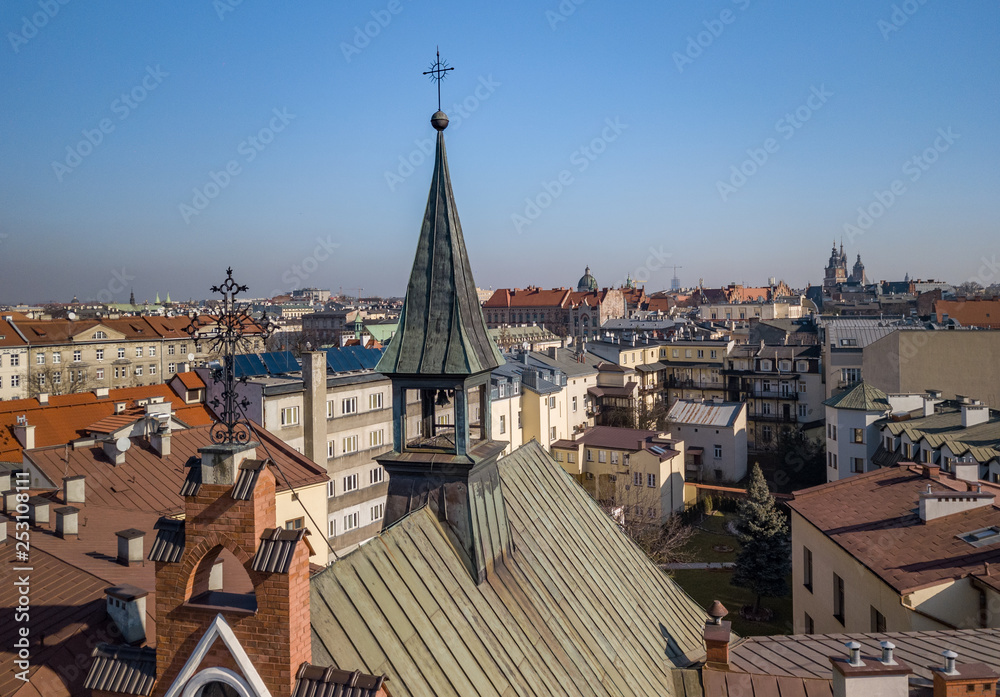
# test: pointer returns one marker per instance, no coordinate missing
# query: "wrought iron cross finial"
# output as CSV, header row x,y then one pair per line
x,y
227,334
439,71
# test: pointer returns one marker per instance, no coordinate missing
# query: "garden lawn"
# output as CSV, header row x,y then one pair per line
x,y
708,534
708,585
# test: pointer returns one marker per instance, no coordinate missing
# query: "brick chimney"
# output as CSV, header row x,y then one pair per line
x,y
965,680
717,635
862,676
232,509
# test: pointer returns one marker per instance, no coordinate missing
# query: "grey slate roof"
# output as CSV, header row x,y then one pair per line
x,y
441,325
576,609
127,670
861,397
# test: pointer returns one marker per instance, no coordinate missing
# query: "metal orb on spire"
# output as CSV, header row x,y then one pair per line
x,y
438,72
227,336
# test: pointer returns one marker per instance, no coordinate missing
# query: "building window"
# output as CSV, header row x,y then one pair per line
x,y
857,465
765,434
349,405
810,626
552,402
100,335
40,358
833,431
77,356
350,445
651,480
289,416
714,354
350,483
295,524
15,360
377,512
718,452
637,478
802,388
100,354
376,475
571,458
807,568
57,378
99,374
765,366
152,370
152,351
574,403
838,598
329,448
859,435
878,620
590,455
171,368
332,531
351,521
15,380
503,424
701,353
376,438
170,349
602,455
552,433
138,371
138,351
56,357
519,418
850,375
375,401
330,489
675,353
121,352
802,411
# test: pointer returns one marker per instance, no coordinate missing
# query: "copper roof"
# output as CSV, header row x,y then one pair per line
x,y
873,518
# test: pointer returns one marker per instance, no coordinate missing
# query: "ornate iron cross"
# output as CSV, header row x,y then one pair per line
x,y
227,335
439,71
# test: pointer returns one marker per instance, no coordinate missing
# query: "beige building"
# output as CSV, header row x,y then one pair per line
x,y
958,362
715,439
902,548
639,472
747,311
13,361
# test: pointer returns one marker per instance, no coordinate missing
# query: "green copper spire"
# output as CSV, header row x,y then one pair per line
x,y
441,326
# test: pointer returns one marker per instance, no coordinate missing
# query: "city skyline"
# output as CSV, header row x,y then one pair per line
x,y
150,148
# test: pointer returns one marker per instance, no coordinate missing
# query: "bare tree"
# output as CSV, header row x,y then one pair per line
x,y
56,380
636,509
970,288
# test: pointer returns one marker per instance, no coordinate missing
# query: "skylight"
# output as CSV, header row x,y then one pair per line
x,y
982,537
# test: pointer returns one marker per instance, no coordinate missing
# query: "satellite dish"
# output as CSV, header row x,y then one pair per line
x,y
71,315
190,357
123,444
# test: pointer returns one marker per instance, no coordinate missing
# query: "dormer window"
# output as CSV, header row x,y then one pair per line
x,y
765,365
785,365
100,335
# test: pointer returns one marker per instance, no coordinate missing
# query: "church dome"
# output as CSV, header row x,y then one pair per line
x,y
587,282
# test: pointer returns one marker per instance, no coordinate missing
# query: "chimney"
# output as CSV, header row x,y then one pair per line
x,y
929,402
126,605
43,398
717,635
3,531
553,352
130,546
965,680
974,414
5,477
67,522
25,434
102,392
38,510
314,404
120,407
861,676
966,468
74,489
113,452
934,505
160,442
10,502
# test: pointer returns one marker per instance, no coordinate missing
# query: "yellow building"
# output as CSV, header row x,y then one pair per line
x,y
902,548
634,472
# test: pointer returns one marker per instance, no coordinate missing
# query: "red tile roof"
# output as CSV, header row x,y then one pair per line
x,y
147,482
66,417
9,336
873,518
191,380
971,312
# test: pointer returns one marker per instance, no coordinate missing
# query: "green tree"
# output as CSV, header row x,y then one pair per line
x,y
764,561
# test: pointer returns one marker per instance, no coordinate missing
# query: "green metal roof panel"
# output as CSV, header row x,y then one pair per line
x,y
575,609
441,326
860,396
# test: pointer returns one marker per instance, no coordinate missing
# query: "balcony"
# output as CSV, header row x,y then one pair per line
x,y
694,384
774,418
774,394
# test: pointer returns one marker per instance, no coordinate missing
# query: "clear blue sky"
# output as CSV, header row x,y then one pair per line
x,y
692,86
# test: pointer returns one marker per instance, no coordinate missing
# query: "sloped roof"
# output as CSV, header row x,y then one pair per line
x,y
441,325
576,609
708,413
860,396
874,518
191,380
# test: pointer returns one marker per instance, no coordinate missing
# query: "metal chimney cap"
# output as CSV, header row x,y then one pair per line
x,y
717,611
948,653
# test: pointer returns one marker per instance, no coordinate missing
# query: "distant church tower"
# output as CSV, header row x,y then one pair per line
x,y
836,269
858,274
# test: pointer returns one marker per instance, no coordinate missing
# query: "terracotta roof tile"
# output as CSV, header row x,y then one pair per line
x,y
191,380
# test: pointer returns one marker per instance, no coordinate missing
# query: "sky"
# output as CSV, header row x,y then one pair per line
x,y
148,146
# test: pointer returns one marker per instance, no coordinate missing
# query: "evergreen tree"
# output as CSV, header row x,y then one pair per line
x,y
764,561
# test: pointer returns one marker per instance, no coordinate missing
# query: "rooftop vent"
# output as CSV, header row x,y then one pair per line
x,y
937,504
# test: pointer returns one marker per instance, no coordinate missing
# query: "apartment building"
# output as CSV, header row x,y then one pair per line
x,y
748,311
843,340
715,439
903,548
13,361
852,431
639,472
